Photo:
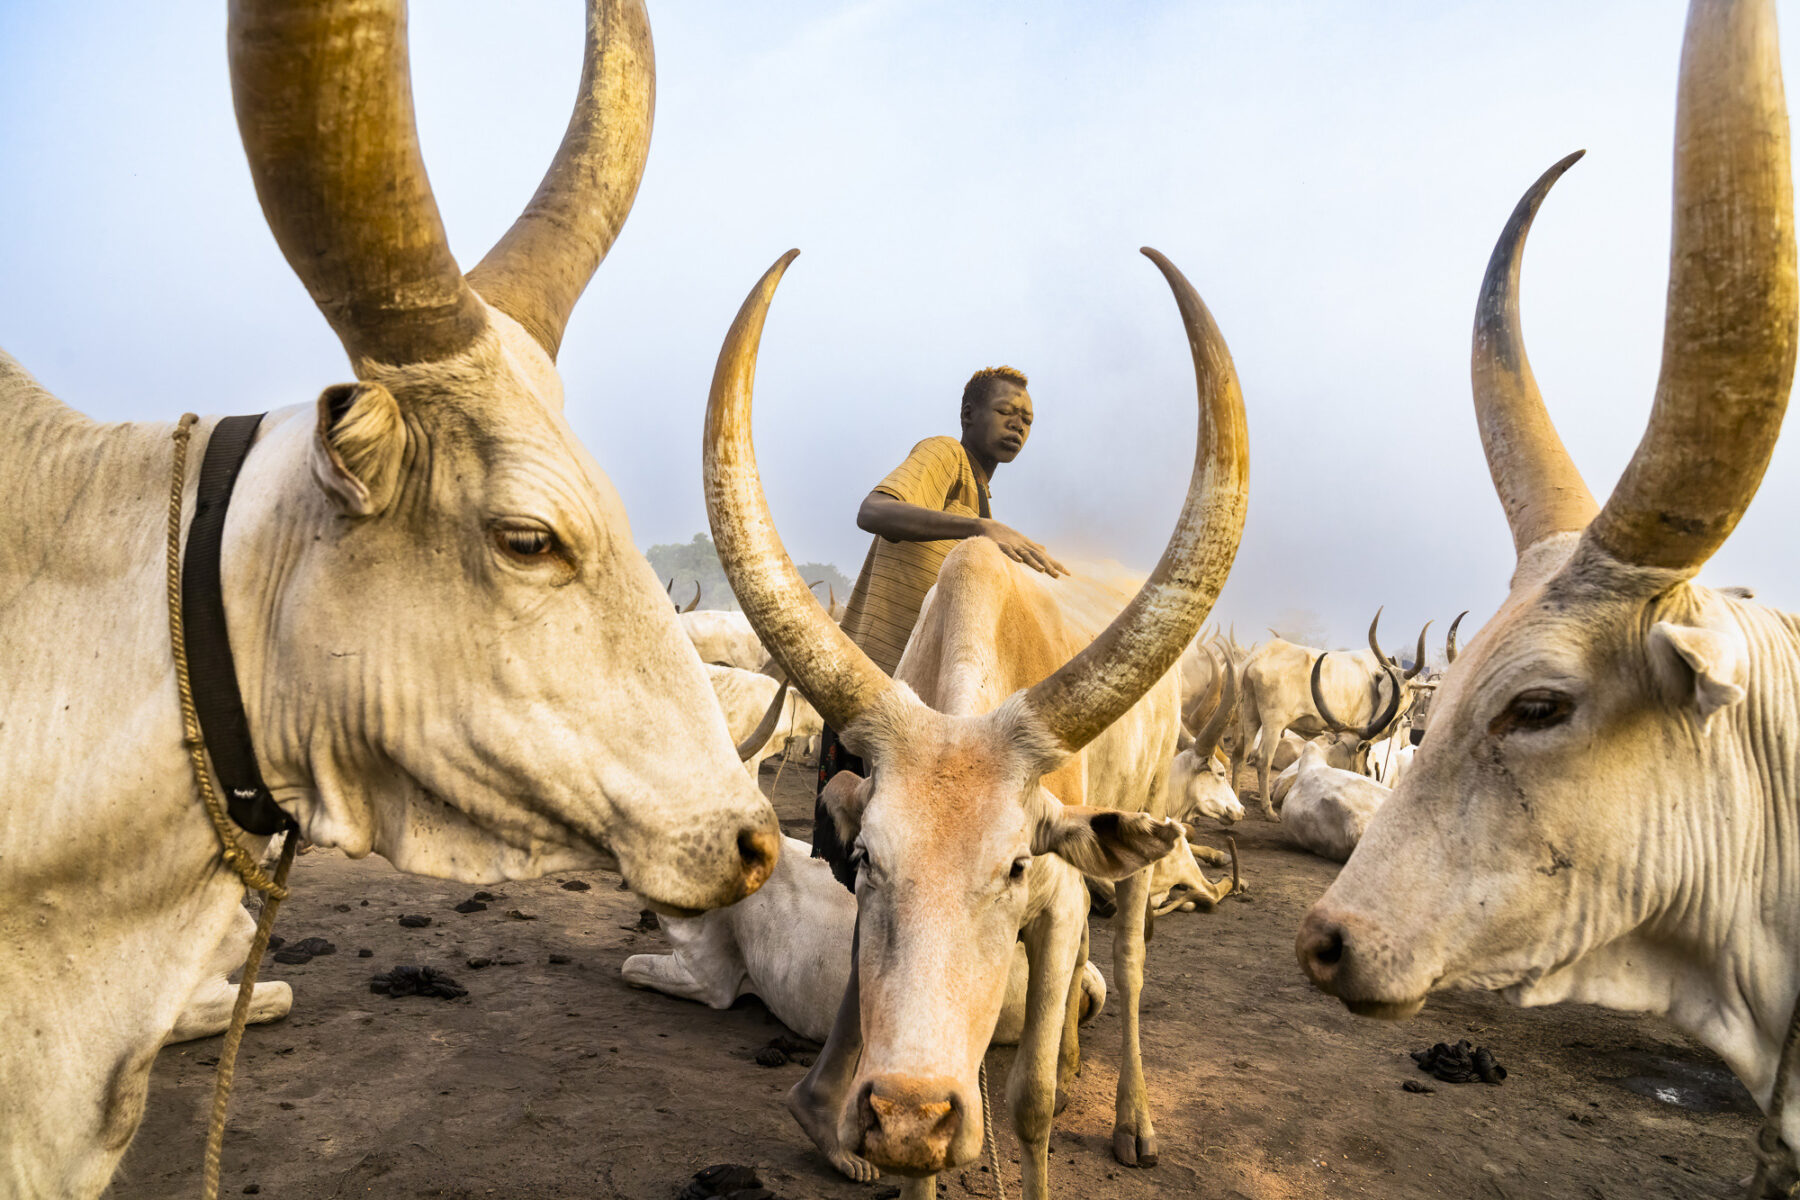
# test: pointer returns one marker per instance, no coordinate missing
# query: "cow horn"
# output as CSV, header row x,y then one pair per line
x,y
1318,697
1387,664
695,602
669,587
1207,700
829,669
759,737
1207,739
1450,639
1729,332
1384,718
324,106
1418,654
1097,686
537,270
1538,484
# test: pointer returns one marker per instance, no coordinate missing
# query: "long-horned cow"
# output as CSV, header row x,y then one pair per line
x,y
973,825
1604,808
1276,697
449,650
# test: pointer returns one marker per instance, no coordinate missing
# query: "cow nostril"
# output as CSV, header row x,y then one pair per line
x,y
1330,949
758,847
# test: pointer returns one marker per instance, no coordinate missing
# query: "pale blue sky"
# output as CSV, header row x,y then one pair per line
x,y
969,185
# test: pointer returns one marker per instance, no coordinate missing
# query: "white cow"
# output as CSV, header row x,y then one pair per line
x,y
1178,884
1366,689
759,725
789,946
1197,778
449,651
1604,808
725,639
1326,810
1015,705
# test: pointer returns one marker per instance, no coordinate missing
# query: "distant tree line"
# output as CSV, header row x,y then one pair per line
x,y
698,562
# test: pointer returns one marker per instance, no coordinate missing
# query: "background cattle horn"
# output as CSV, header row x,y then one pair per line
x,y
695,602
324,105
830,671
1097,686
765,728
1729,332
1206,739
1539,487
536,272
1318,697
1450,638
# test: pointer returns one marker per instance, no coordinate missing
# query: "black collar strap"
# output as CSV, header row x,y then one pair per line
x,y
224,726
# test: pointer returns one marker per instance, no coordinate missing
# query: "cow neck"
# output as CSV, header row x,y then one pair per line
x,y
224,725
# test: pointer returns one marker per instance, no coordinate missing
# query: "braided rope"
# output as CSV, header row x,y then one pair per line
x,y
993,1142
1777,1173
240,1014
240,860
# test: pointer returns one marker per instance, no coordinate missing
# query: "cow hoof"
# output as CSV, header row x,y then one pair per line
x,y
860,1170
1062,1101
1132,1150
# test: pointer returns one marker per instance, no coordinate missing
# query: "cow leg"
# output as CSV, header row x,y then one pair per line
x,y
1052,947
1134,1138
1068,1060
667,973
1265,757
209,1005
922,1188
817,1101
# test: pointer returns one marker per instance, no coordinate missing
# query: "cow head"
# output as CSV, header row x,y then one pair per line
x,y
1587,819
954,833
1198,782
460,659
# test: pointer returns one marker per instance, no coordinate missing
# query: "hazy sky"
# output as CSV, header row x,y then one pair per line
x,y
969,185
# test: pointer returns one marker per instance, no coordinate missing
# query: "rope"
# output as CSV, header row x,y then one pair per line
x,y
240,1014
236,857
240,860
993,1143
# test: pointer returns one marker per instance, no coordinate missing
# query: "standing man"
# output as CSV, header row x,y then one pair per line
x,y
927,504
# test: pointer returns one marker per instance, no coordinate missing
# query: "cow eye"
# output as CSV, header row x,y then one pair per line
x,y
526,542
1020,866
1534,709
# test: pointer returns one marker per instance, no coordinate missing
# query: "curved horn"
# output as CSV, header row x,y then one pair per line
x,y
1386,717
1450,638
1207,700
1729,335
1539,487
1318,697
324,105
669,587
1096,687
1387,664
1419,654
759,737
538,269
695,602
1206,740
837,677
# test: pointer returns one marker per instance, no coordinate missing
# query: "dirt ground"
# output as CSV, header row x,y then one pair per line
x,y
553,1079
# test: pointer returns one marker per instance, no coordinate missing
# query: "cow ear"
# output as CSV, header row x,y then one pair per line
x,y
358,447
845,797
1703,667
1104,842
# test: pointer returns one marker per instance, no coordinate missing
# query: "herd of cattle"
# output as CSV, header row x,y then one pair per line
x,y
450,654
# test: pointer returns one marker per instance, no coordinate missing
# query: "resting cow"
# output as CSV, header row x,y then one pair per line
x,y
1326,810
449,650
1005,705
789,946
1604,810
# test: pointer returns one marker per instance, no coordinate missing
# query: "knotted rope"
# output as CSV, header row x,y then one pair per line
x,y
240,860
1776,1171
993,1143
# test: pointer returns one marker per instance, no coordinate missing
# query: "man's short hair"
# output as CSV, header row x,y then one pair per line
x,y
984,383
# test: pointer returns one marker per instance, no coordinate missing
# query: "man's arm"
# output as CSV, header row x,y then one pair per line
x,y
898,521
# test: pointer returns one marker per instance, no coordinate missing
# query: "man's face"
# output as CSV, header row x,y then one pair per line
x,y
999,425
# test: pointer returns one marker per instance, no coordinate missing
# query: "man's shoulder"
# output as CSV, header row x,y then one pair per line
x,y
942,447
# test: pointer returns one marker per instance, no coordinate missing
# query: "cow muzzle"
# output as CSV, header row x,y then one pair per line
x,y
687,875
1333,953
911,1126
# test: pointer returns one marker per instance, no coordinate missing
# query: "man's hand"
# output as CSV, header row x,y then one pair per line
x,y
1021,549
